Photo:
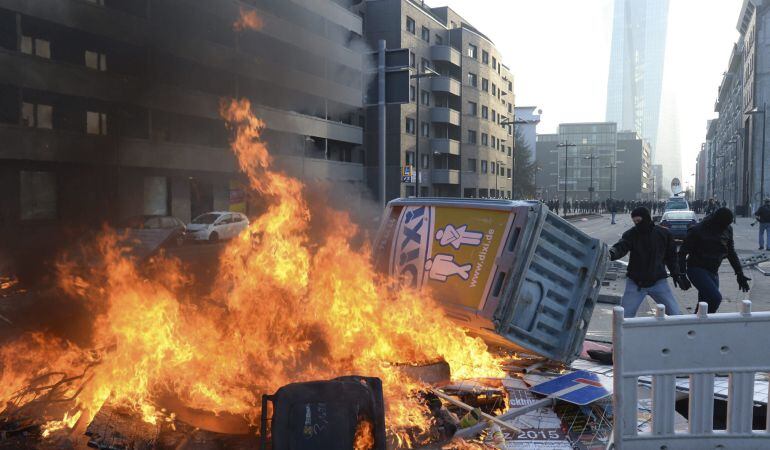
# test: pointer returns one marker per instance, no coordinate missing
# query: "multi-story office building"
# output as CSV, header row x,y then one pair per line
x,y
112,107
635,81
700,174
464,149
587,162
527,120
711,153
731,159
633,167
547,162
616,164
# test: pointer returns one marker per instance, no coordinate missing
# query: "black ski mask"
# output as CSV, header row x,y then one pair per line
x,y
646,222
721,219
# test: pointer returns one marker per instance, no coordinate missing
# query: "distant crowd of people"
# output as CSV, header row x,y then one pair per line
x,y
604,206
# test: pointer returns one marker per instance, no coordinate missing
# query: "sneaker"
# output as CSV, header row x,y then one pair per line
x,y
761,248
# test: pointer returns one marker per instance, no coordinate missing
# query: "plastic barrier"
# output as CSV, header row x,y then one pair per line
x,y
699,346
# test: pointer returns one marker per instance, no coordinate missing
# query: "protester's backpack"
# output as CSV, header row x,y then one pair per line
x,y
324,415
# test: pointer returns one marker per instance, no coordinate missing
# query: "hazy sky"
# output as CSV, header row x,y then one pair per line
x,y
559,53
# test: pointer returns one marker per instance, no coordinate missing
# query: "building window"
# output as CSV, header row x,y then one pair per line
x,y
425,34
471,136
483,193
96,60
509,195
473,51
509,173
485,57
472,165
155,196
510,86
96,123
492,166
510,151
37,116
424,97
425,129
473,80
494,62
469,193
425,161
494,142
410,26
410,125
485,85
439,40
412,93
484,166
473,108
409,158
494,89
484,139
425,65
510,108
494,116
36,46
37,195
484,112
412,60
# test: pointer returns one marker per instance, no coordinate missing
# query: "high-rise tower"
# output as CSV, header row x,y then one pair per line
x,y
636,67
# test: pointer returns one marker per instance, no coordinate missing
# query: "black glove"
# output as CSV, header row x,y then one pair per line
x,y
613,256
743,282
682,282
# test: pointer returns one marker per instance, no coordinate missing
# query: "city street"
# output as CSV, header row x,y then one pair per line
x,y
745,244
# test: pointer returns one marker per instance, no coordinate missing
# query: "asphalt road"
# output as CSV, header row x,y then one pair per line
x,y
746,245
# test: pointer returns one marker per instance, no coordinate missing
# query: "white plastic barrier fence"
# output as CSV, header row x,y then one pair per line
x,y
700,347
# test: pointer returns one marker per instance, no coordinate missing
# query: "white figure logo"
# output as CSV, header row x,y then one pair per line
x,y
458,236
443,266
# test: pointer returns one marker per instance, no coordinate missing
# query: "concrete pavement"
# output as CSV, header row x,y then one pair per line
x,y
746,245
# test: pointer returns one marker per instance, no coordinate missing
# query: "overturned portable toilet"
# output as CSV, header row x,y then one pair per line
x,y
511,272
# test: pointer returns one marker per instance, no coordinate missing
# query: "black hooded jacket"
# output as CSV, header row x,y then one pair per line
x,y
651,247
708,243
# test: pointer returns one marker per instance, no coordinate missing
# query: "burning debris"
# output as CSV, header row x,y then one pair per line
x,y
289,306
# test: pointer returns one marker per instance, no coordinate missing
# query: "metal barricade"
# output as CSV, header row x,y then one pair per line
x,y
700,347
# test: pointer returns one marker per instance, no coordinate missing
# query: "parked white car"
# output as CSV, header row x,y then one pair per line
x,y
216,225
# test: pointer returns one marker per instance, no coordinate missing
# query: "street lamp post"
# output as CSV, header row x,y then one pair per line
x,y
566,145
591,187
427,73
764,124
612,168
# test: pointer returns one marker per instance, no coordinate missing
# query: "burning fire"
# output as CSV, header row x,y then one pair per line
x,y
289,306
247,20
364,437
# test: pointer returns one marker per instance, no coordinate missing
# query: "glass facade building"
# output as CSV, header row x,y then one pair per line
x,y
592,140
635,78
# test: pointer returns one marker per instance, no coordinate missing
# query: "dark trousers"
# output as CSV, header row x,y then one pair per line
x,y
707,284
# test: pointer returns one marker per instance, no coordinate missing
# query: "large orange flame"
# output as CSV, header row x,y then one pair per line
x,y
286,307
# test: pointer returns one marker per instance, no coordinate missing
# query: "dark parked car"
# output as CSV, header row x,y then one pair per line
x,y
678,222
174,227
677,204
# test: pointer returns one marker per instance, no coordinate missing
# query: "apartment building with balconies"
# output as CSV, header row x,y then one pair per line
x,y
465,150
110,108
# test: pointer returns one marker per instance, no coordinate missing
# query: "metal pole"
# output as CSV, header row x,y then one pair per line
x,y
566,146
417,142
513,158
764,125
381,110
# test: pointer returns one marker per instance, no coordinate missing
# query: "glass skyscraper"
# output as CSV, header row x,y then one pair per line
x,y
636,67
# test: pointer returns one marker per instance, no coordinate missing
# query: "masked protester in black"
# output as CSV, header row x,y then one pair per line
x,y
707,244
652,248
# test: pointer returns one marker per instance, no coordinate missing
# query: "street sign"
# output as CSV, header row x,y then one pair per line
x,y
406,174
580,388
